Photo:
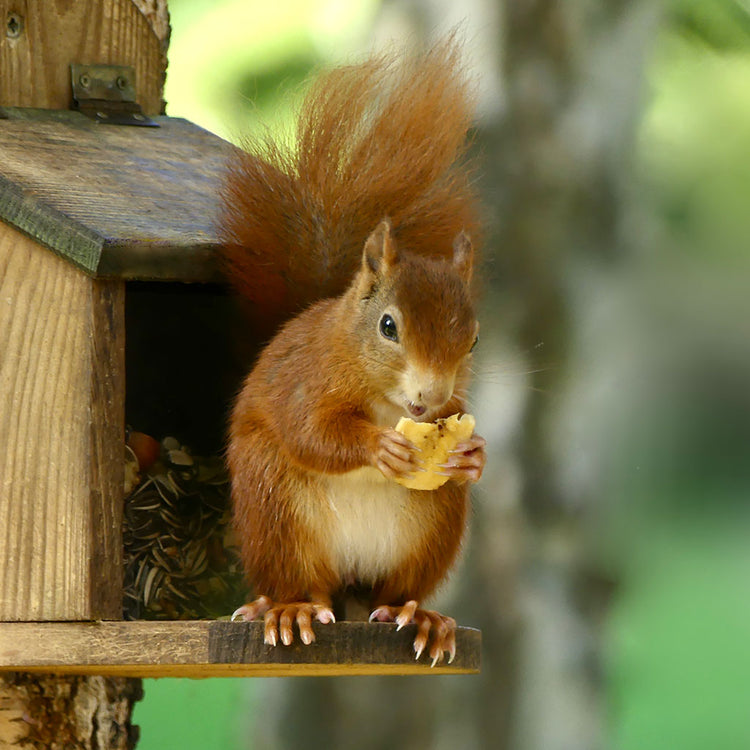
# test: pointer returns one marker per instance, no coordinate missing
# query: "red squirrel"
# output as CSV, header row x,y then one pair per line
x,y
361,232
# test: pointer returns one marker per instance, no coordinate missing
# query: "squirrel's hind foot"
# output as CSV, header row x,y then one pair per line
x,y
427,620
279,618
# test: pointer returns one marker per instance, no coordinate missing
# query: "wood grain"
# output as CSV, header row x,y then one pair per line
x,y
119,202
106,430
61,425
218,648
55,33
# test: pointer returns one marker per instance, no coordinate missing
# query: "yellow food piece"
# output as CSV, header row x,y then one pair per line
x,y
434,442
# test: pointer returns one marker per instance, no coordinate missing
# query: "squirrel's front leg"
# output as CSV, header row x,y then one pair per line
x,y
346,441
467,460
394,455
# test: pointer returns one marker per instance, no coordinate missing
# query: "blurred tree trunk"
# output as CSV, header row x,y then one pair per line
x,y
556,139
561,161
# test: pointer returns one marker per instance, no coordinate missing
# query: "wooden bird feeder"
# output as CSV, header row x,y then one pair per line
x,y
112,308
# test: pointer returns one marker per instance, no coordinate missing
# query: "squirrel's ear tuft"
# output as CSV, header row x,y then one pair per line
x,y
380,250
463,256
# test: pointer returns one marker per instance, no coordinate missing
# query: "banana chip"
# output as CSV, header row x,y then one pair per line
x,y
434,442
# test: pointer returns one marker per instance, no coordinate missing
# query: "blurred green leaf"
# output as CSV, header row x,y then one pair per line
x,y
721,24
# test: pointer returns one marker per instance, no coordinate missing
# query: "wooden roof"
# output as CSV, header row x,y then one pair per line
x,y
116,201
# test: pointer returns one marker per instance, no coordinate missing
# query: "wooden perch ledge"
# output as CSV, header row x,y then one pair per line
x,y
220,649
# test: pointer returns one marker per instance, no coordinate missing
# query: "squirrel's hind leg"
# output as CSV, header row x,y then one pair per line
x,y
428,621
279,618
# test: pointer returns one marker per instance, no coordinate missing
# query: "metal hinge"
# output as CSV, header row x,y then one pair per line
x,y
106,93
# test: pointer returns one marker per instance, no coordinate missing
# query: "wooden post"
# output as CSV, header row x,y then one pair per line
x,y
61,424
62,416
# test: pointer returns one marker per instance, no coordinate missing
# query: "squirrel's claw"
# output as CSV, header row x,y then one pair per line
x,y
279,619
252,610
467,460
442,628
394,455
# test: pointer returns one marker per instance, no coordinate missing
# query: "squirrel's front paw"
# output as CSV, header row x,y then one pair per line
x,y
466,461
279,618
394,455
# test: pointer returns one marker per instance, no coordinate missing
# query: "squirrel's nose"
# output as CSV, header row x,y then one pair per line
x,y
435,396
436,391
427,389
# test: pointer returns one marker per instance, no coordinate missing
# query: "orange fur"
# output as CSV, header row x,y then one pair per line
x,y
380,139
383,138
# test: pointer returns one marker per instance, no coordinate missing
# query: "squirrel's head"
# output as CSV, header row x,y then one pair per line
x,y
417,323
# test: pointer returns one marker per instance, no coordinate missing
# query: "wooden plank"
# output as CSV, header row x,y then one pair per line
x,y
61,431
118,202
40,38
219,648
105,434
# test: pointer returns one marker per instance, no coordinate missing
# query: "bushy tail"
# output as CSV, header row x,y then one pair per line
x,y
383,138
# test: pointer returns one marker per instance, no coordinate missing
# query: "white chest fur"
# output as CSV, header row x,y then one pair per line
x,y
370,530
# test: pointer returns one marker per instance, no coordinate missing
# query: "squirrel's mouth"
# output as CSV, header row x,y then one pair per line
x,y
416,410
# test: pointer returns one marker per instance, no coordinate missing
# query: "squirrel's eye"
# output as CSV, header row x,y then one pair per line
x,y
474,345
388,328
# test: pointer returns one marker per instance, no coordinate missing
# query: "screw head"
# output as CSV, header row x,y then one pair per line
x,y
13,25
85,80
121,82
